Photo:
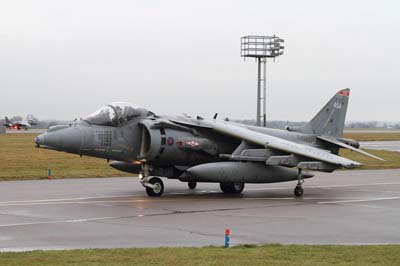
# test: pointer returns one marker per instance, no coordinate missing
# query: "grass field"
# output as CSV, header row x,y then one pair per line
x,y
392,159
371,136
20,159
282,255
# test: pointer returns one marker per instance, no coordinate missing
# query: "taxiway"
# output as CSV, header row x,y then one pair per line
x,y
346,207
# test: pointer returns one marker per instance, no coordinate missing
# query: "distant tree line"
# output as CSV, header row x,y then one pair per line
x,y
272,124
282,124
373,124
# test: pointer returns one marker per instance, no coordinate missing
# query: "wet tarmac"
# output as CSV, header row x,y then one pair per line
x,y
381,145
345,207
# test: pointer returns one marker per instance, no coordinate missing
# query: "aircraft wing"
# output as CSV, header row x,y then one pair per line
x,y
190,122
279,144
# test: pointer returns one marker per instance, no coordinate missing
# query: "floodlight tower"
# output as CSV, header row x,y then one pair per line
x,y
260,48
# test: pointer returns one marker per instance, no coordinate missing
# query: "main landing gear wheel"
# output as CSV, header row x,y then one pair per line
x,y
156,187
192,184
298,191
232,187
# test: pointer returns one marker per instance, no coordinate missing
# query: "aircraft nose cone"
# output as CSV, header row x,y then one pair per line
x,y
39,139
67,139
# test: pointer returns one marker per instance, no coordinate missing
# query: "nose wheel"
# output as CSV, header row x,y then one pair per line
x,y
298,191
155,187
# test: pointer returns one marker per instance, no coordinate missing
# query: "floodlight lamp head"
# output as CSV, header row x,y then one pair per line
x,y
261,46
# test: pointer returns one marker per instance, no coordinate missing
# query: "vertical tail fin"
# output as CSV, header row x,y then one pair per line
x,y
330,119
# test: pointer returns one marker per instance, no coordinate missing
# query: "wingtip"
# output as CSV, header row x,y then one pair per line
x,y
356,165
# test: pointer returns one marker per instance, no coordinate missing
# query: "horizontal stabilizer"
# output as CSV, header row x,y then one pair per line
x,y
344,145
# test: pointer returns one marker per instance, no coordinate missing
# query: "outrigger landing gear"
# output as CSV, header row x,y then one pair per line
x,y
298,191
232,187
154,185
192,184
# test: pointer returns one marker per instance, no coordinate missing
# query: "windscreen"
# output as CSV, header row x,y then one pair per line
x,y
115,114
105,116
126,111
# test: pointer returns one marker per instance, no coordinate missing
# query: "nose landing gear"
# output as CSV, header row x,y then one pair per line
x,y
298,191
154,185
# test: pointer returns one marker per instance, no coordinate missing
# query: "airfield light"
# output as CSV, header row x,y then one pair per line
x,y
227,237
261,48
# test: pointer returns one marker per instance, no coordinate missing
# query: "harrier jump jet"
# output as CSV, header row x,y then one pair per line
x,y
195,149
22,124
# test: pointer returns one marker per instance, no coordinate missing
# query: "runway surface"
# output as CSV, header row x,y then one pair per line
x,y
381,145
346,207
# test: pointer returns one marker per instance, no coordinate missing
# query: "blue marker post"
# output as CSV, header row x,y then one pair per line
x,y
227,237
49,173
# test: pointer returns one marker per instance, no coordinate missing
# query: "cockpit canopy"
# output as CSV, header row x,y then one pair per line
x,y
115,114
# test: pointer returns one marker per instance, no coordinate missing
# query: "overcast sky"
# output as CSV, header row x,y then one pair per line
x,y
65,59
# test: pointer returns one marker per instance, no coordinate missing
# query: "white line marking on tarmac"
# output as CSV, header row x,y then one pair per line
x,y
78,200
327,186
358,200
355,185
85,202
99,197
102,202
60,221
64,199
185,193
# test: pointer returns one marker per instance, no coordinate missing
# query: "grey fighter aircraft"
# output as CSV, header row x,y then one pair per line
x,y
22,124
195,149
